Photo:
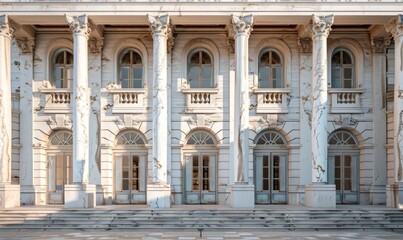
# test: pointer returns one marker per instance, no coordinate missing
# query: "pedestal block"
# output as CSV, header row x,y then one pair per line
x,y
9,195
242,195
79,196
377,195
394,195
27,195
320,195
159,195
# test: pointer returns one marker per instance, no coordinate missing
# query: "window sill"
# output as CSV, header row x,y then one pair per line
x,y
272,100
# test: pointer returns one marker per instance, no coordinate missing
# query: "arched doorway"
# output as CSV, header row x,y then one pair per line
x,y
130,161
343,165
200,155
271,168
60,168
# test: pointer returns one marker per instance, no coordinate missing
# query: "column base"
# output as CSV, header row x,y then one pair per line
x,y
394,195
377,195
320,195
79,196
242,195
9,195
159,195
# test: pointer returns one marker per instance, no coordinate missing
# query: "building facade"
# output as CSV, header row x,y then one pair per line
x,y
228,103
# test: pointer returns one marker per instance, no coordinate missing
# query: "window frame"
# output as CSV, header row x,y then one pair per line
x,y
342,67
65,67
131,79
280,66
201,66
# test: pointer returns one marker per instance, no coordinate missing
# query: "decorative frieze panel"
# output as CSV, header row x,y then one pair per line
x,y
346,100
272,100
200,100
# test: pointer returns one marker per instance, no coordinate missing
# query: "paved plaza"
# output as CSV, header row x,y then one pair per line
x,y
208,235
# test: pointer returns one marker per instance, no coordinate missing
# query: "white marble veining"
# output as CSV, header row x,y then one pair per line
x,y
160,30
321,27
242,26
81,101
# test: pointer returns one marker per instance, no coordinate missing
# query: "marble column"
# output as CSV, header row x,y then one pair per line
x,y
319,193
242,192
9,194
395,26
80,194
377,190
159,191
28,193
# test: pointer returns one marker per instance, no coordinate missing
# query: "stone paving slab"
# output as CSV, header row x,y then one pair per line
x,y
207,235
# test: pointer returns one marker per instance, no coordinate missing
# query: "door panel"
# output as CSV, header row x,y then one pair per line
x,y
60,173
200,178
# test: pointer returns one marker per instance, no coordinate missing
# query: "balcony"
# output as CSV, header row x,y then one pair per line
x,y
346,100
272,100
57,100
200,100
128,100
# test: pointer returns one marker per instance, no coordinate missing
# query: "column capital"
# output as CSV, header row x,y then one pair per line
x,y
159,24
242,24
95,44
79,24
321,25
26,45
5,27
395,26
378,45
305,45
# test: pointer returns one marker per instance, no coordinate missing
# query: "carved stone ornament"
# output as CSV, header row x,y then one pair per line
x,y
79,24
26,45
5,28
395,26
95,45
345,120
159,25
321,25
170,44
378,45
305,45
242,24
231,45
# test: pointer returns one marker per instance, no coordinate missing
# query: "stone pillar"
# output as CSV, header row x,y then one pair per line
x,y
9,194
80,194
242,192
377,190
26,46
305,76
319,193
159,191
395,26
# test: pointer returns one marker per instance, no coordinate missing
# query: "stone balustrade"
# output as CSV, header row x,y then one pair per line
x,y
128,100
200,100
57,100
345,100
272,100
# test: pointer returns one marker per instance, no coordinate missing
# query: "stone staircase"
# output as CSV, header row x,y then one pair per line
x,y
21,219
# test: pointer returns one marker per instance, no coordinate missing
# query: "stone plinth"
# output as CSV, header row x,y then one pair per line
x,y
377,195
320,195
242,195
394,195
79,196
159,195
9,195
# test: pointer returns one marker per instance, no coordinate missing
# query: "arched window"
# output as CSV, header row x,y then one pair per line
x,y
61,138
131,69
343,166
270,70
270,138
200,138
63,68
342,69
200,69
130,138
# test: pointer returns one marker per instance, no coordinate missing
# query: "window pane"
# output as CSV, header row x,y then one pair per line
x,y
336,59
205,58
136,58
346,58
263,77
265,184
125,184
348,77
69,77
69,58
138,77
126,58
275,58
207,79
58,77
337,182
336,83
193,77
60,58
124,73
265,59
347,185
